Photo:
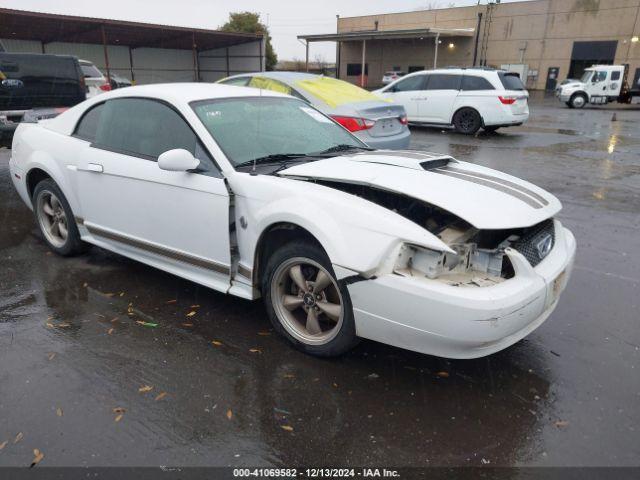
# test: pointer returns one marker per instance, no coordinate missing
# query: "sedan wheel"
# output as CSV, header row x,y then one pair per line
x,y
56,220
307,301
52,218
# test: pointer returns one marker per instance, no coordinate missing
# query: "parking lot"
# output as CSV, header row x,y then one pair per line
x,y
88,379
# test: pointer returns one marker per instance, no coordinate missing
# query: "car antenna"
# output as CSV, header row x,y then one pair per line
x,y
253,170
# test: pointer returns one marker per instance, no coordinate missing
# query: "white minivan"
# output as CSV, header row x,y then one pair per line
x,y
466,98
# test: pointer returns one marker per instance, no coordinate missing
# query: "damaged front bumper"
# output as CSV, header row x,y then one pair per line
x,y
463,321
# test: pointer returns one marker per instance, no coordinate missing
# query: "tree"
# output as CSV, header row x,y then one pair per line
x,y
249,22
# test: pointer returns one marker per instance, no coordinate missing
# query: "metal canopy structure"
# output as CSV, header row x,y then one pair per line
x,y
364,35
48,28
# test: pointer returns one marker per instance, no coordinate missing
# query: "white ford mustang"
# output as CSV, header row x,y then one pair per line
x,y
259,194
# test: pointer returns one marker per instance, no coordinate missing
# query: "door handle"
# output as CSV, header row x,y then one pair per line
x,y
94,167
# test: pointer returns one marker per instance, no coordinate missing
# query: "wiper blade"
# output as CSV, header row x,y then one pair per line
x,y
274,158
343,147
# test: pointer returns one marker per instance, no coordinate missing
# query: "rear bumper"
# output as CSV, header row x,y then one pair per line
x,y
431,317
392,142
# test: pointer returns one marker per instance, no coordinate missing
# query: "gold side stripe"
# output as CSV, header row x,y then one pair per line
x,y
245,272
165,252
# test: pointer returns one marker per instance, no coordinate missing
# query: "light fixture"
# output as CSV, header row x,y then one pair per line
x,y
634,39
439,42
451,45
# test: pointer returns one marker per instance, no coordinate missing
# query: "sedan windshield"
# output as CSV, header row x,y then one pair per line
x,y
271,129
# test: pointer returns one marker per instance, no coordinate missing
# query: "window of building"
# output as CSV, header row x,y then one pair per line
x,y
615,76
355,69
444,82
88,124
470,82
415,68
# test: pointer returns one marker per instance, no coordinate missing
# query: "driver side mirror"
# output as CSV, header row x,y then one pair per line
x,y
177,160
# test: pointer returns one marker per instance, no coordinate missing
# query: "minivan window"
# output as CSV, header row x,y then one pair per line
x,y
470,82
409,84
143,127
88,125
511,81
443,82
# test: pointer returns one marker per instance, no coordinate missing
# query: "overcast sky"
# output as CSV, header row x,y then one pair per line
x,y
286,18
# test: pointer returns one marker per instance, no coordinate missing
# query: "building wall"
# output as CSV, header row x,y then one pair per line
x,y
155,65
538,33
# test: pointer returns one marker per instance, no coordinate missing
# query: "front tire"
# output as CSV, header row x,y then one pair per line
x,y
578,100
306,303
467,121
56,220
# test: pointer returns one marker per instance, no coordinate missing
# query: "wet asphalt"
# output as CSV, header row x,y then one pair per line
x,y
86,384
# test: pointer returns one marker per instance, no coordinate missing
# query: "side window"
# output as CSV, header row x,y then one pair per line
x,y
409,84
143,127
475,83
615,76
444,82
240,82
88,124
599,77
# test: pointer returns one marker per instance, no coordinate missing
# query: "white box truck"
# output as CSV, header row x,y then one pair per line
x,y
599,85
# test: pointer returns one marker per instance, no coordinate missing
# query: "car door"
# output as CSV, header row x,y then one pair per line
x,y
409,93
178,221
598,84
440,95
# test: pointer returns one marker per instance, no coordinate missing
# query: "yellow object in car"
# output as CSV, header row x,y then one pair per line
x,y
335,92
269,84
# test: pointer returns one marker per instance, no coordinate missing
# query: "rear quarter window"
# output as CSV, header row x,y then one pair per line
x,y
88,124
470,82
511,81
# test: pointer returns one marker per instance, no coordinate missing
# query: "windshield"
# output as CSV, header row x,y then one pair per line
x,y
250,128
586,76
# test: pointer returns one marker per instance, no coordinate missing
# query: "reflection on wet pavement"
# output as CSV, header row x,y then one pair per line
x,y
84,336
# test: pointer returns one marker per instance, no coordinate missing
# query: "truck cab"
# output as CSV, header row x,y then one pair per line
x,y
600,84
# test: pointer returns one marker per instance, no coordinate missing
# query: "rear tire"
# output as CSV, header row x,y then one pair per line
x,y
578,100
467,121
55,219
306,303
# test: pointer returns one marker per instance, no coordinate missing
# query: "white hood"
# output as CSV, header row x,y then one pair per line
x,y
485,198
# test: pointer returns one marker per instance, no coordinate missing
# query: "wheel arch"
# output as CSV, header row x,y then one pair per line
x,y
273,236
463,107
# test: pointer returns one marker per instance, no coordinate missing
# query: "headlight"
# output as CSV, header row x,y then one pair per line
x,y
418,261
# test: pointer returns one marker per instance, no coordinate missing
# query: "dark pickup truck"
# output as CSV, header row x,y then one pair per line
x,y
34,87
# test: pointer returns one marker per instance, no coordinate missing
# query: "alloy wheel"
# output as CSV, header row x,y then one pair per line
x,y
307,301
52,219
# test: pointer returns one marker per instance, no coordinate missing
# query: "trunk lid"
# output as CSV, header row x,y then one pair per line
x,y
386,115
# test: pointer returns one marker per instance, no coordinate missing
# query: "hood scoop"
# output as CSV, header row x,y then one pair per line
x,y
403,158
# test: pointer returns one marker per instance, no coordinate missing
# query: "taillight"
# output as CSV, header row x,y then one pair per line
x,y
507,100
403,120
105,87
354,124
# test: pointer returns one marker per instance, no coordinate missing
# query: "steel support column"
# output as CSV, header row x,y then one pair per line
x,y
306,62
435,55
133,75
106,54
364,62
